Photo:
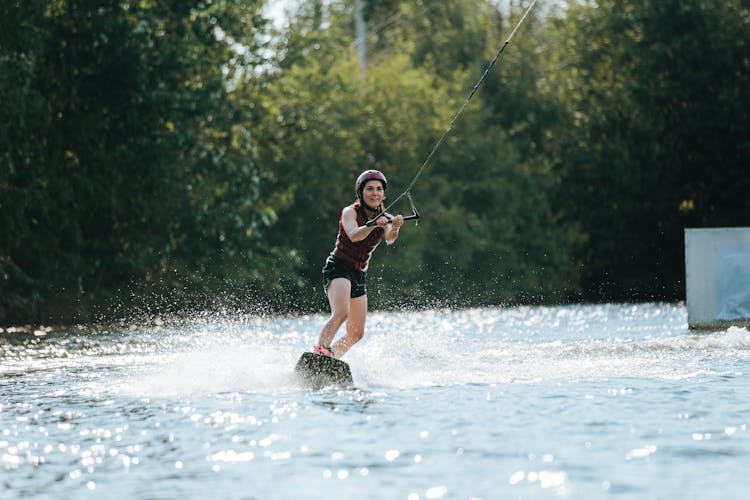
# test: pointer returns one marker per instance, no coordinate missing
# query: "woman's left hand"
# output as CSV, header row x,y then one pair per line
x,y
382,222
397,221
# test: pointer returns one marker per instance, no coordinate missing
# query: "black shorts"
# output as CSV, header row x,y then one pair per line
x,y
334,268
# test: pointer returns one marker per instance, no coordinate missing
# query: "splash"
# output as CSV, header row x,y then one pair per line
x,y
447,347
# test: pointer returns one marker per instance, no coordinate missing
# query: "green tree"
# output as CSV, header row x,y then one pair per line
x,y
24,124
655,135
488,224
140,176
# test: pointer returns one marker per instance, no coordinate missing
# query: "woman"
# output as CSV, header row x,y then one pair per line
x,y
345,270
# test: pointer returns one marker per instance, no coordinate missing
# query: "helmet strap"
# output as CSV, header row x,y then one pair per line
x,y
367,207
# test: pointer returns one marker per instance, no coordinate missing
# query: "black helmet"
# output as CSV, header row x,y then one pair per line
x,y
369,175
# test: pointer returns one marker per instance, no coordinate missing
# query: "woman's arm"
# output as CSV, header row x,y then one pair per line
x,y
391,230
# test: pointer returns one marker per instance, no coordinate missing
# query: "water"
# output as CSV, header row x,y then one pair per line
x,y
529,402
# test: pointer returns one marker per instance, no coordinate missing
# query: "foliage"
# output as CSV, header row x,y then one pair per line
x,y
157,156
131,171
655,139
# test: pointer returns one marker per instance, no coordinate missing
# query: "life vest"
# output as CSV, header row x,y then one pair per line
x,y
356,255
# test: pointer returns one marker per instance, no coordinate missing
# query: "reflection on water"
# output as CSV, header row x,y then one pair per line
x,y
488,403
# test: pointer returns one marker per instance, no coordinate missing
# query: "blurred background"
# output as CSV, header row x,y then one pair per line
x,y
163,156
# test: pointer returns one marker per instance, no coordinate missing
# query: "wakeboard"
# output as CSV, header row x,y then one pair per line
x,y
317,371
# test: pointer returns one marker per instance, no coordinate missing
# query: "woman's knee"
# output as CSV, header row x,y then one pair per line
x,y
338,317
355,335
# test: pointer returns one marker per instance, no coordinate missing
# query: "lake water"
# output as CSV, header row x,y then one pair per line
x,y
526,402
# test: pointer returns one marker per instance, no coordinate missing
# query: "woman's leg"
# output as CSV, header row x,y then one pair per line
x,y
338,297
355,325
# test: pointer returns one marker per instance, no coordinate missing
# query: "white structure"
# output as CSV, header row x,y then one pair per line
x,y
717,276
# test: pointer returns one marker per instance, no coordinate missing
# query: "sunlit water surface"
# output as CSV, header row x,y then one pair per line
x,y
528,402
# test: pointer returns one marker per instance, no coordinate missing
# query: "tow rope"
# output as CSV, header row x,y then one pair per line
x,y
407,192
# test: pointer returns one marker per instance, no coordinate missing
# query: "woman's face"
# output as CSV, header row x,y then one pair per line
x,y
373,193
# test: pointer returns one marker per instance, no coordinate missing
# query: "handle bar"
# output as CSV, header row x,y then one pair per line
x,y
414,216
